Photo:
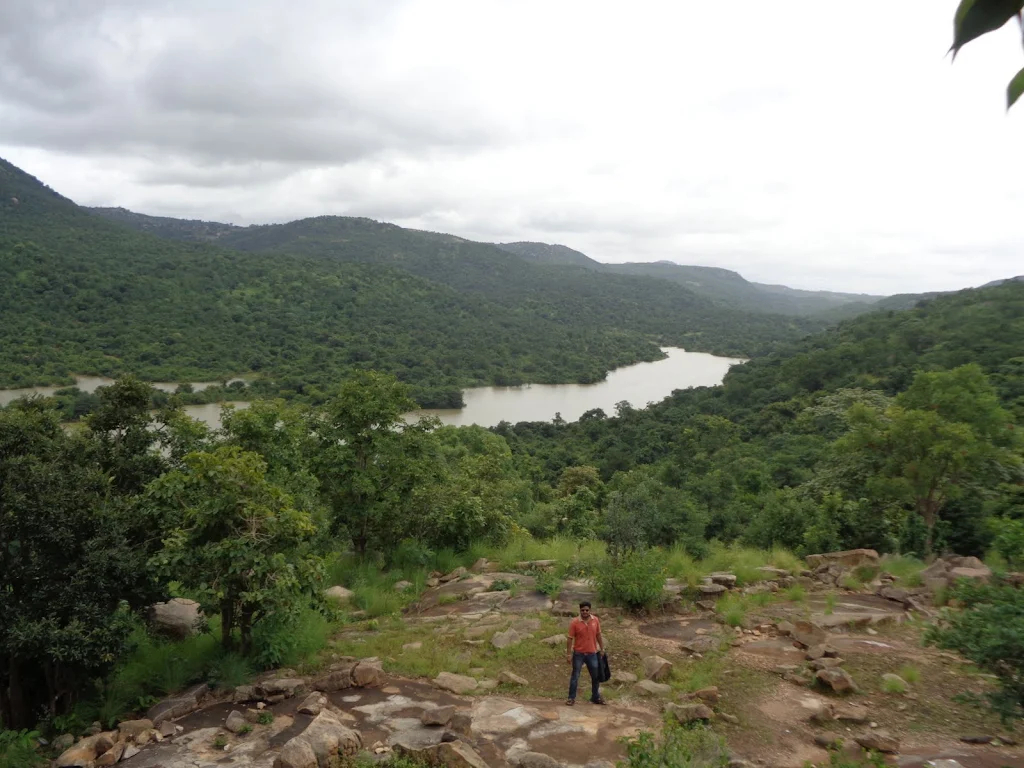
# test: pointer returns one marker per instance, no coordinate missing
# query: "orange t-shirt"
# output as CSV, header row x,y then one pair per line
x,y
584,634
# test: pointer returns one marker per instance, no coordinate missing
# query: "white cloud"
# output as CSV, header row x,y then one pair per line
x,y
808,143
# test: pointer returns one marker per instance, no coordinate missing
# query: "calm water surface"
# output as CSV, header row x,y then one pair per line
x,y
639,384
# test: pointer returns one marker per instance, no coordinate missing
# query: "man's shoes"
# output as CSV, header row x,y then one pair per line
x,y
598,700
570,702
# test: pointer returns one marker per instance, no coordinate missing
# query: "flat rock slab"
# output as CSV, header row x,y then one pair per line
x,y
532,602
679,629
775,649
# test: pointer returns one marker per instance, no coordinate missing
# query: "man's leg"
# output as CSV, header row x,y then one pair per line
x,y
594,668
577,667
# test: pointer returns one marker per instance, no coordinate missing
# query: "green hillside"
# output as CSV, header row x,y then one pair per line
x,y
657,309
545,253
82,295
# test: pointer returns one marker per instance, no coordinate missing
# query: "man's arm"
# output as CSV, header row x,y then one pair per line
x,y
569,643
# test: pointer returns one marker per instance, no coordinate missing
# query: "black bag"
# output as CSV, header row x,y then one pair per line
x,y
605,673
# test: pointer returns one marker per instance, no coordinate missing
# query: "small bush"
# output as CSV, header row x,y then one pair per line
x,y
635,580
221,741
548,584
230,671
288,639
907,570
865,574
733,610
910,673
893,685
830,604
502,585
990,632
19,749
266,717
679,747
796,594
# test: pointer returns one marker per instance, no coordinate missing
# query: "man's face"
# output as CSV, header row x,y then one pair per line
x,y
584,613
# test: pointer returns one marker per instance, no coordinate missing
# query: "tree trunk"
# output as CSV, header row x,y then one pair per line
x,y
16,713
227,623
245,623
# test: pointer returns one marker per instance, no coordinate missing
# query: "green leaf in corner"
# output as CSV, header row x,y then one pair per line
x,y
974,18
1015,89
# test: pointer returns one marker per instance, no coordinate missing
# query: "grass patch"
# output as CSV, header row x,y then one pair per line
x,y
588,553
795,594
733,610
830,604
18,749
744,561
906,569
893,685
910,673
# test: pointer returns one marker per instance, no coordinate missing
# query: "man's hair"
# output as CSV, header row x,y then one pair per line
x,y
585,604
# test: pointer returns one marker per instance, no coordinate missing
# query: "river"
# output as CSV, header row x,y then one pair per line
x,y
640,385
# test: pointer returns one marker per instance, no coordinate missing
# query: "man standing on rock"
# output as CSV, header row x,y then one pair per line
x,y
584,645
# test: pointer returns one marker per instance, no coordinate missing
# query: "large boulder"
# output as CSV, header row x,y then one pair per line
x,y
184,703
438,715
688,713
177,619
129,730
326,738
339,593
837,679
850,558
337,679
448,754
808,634
651,688
656,668
880,740
368,673
506,639
84,753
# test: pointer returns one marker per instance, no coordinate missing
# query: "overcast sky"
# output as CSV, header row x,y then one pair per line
x,y
813,143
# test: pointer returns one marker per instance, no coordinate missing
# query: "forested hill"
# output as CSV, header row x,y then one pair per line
x,y
83,295
486,268
780,455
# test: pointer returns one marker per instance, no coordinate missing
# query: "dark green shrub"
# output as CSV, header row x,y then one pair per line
x,y
679,747
634,579
990,632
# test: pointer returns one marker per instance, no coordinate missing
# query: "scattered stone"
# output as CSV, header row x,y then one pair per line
x,y
487,685
825,663
432,582
401,586
554,640
313,704
368,673
707,605
455,683
450,754
339,593
725,579
338,679
63,743
178,618
85,752
819,711
438,715
167,729
236,722
711,590
837,679
178,706
412,646
506,639
815,652
285,686
111,756
731,719
784,627
652,688
623,677
511,678
458,573
850,558
880,741
479,566
129,730
808,634
326,739
709,695
537,760
688,713
243,693
656,668
130,751
785,669
977,739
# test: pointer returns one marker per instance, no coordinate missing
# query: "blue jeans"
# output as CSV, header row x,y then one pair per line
x,y
593,667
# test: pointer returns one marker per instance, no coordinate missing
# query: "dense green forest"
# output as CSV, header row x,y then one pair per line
x,y
768,456
81,295
486,268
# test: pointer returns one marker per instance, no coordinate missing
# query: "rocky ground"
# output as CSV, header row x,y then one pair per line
x,y
476,676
